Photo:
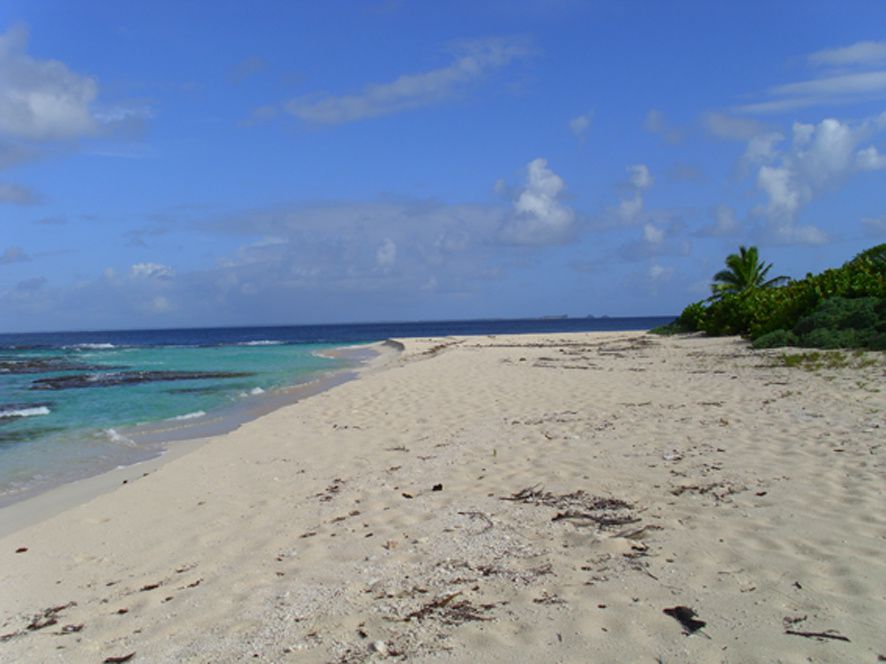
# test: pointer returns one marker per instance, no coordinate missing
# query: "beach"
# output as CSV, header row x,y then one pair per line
x,y
508,498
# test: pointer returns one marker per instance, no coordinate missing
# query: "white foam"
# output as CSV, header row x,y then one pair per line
x,y
115,437
262,342
25,412
93,346
256,391
188,416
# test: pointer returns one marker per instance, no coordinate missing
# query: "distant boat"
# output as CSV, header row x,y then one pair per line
x,y
560,317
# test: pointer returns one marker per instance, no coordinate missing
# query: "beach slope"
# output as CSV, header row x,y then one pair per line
x,y
605,497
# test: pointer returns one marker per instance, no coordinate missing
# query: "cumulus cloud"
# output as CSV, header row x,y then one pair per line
x,y
13,255
630,207
473,60
539,215
579,125
640,177
870,159
818,158
151,271
41,99
652,234
761,149
659,238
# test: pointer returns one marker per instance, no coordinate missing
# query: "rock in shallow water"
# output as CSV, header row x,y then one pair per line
x,y
129,378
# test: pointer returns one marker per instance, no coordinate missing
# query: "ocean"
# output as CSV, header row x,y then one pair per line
x,y
75,404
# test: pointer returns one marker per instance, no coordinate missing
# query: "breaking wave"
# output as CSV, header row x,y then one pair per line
x,y
23,411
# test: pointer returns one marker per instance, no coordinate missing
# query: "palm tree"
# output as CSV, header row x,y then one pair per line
x,y
745,272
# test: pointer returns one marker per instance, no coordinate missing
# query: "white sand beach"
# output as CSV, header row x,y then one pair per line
x,y
533,498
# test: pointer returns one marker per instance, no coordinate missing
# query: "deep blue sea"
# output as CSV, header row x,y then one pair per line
x,y
73,404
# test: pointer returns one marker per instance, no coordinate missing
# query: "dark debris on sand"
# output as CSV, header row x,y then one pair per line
x,y
579,506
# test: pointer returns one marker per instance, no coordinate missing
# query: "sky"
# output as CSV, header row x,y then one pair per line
x,y
190,164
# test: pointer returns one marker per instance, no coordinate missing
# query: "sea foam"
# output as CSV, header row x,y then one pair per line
x,y
115,437
24,411
96,346
188,416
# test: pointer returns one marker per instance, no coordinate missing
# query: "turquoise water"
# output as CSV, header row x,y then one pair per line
x,y
49,436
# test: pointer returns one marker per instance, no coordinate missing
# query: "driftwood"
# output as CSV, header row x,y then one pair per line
x,y
830,634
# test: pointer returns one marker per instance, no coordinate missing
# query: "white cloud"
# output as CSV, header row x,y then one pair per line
x,y
870,159
630,208
540,217
151,271
123,114
386,255
580,125
473,61
841,88
845,84
859,53
784,197
640,178
653,235
848,74
41,99
819,157
761,149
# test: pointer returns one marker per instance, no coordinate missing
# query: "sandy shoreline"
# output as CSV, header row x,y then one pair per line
x,y
655,473
166,440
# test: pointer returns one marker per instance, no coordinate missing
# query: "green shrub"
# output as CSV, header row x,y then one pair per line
x,y
830,338
776,339
840,313
692,317
757,312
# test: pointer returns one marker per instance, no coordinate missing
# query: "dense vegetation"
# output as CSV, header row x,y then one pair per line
x,y
842,307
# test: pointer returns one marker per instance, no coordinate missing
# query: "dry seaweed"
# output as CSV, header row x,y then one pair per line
x,y
449,612
47,617
603,511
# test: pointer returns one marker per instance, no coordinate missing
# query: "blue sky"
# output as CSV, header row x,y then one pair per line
x,y
227,163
